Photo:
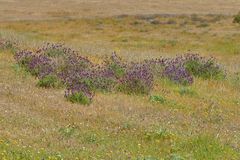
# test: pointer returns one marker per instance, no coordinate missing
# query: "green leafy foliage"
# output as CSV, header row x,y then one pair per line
x,y
80,98
204,67
49,81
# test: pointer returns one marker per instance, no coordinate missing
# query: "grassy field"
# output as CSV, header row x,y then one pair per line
x,y
199,122
57,9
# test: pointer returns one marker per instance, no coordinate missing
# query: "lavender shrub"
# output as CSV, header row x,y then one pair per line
x,y
54,63
137,80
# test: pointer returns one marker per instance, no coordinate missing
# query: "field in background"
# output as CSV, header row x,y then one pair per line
x,y
197,122
57,9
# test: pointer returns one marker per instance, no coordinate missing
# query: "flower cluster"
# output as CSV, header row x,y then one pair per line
x,y
37,64
138,79
82,78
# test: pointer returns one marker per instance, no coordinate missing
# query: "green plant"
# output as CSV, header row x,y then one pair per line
x,y
157,98
49,81
204,68
237,18
79,97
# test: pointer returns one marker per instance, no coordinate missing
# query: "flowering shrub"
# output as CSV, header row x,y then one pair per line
x,y
173,69
137,80
203,67
37,64
178,74
23,57
116,65
55,64
79,92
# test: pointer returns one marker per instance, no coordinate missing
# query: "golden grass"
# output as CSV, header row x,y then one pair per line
x,y
118,126
55,9
138,37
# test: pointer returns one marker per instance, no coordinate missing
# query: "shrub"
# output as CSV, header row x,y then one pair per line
x,y
55,64
170,68
103,79
137,80
53,50
79,94
178,74
23,57
237,18
116,65
37,64
41,66
203,67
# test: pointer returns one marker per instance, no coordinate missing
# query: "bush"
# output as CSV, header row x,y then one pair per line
x,y
178,74
206,68
170,68
237,18
79,91
53,50
23,57
103,79
55,64
37,64
116,65
138,80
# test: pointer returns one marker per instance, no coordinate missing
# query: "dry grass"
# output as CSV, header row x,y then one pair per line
x,y
203,123
55,9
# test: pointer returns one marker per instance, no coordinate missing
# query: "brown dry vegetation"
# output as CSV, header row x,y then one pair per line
x,y
55,9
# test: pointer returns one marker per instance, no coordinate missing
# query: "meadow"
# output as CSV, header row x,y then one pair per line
x,y
183,113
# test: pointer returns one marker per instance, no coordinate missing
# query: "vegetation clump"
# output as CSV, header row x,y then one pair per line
x,y
137,80
49,81
203,67
236,18
55,64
